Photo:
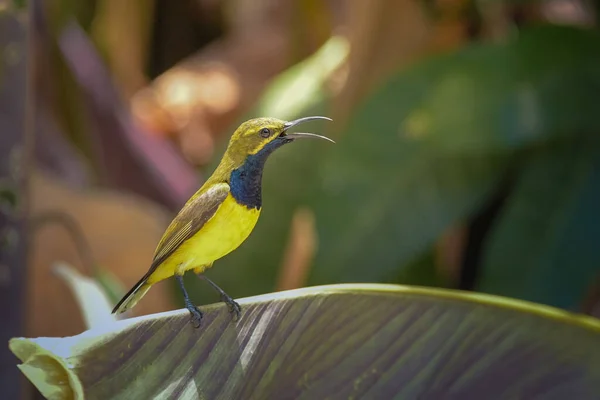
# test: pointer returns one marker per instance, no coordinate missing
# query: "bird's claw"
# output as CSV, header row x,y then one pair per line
x,y
195,315
234,307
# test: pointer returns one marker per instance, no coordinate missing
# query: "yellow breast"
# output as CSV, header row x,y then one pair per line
x,y
223,233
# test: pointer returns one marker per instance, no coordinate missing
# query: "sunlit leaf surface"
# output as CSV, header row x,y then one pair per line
x,y
345,341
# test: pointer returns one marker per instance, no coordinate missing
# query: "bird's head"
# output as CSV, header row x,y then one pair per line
x,y
264,135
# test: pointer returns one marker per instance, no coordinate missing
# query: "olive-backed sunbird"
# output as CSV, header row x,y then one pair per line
x,y
221,214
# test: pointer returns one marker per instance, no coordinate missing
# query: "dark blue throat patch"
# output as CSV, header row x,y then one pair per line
x,y
245,182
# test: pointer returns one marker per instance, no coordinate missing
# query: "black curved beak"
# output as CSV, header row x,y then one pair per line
x,y
303,135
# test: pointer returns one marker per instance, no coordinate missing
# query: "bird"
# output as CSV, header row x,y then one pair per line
x,y
220,216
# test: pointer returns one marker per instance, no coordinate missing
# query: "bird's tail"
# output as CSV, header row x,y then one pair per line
x,y
133,296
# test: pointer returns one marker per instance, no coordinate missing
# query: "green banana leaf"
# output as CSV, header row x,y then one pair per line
x,y
343,341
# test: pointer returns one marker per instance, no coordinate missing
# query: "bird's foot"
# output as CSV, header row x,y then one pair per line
x,y
234,307
196,315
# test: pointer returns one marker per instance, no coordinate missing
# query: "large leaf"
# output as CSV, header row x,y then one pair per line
x,y
544,247
376,214
428,147
346,341
490,97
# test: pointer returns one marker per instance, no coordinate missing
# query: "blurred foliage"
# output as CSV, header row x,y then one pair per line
x,y
339,341
425,150
19,4
544,246
449,128
303,86
421,271
461,119
428,149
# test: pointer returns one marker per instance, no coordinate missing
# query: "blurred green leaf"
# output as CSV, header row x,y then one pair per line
x,y
60,12
378,211
429,146
62,94
18,4
301,87
9,198
422,271
544,246
494,97
343,341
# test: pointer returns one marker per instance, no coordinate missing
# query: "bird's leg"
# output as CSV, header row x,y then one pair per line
x,y
196,314
234,307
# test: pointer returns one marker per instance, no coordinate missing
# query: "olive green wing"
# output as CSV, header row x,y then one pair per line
x,y
189,221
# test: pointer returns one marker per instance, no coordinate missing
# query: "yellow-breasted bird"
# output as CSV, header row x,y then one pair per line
x,y
221,214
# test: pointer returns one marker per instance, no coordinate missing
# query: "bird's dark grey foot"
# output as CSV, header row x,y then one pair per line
x,y
196,315
234,307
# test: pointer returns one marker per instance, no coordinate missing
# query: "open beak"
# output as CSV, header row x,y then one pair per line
x,y
303,135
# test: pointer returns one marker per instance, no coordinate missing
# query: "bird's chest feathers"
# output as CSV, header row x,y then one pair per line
x,y
223,233
246,181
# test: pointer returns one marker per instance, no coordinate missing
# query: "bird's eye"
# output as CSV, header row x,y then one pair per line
x,y
265,132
